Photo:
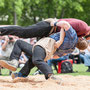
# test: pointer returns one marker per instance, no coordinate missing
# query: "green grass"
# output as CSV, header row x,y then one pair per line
x,y
79,69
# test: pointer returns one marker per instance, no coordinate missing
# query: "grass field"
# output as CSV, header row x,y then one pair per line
x,y
79,69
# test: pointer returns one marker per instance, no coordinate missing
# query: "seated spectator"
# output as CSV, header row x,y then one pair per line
x,y
75,56
7,44
51,61
85,56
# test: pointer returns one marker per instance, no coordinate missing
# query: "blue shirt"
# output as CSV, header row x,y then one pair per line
x,y
70,40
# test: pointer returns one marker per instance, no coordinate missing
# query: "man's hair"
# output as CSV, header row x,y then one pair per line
x,y
82,44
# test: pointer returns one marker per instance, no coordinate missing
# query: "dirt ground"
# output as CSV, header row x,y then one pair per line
x,y
38,82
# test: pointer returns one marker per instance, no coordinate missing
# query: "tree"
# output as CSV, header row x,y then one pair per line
x,y
26,12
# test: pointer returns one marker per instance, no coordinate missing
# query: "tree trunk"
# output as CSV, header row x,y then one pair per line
x,y
62,13
15,19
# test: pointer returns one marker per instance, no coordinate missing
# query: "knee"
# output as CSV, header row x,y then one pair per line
x,y
18,42
36,62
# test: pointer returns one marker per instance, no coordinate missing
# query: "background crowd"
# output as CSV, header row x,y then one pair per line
x,y
28,12
6,46
78,56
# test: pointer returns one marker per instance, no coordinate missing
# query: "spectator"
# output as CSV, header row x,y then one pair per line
x,y
82,55
51,61
85,57
75,55
7,44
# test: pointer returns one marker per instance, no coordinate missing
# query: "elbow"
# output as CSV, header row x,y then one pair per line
x,y
61,41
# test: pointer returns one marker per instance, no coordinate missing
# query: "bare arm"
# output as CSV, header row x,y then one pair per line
x,y
59,42
51,20
64,26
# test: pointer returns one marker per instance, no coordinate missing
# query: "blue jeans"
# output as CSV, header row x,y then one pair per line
x,y
86,59
51,61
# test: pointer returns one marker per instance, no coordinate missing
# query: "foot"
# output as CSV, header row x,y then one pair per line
x,y
15,75
37,72
55,79
11,65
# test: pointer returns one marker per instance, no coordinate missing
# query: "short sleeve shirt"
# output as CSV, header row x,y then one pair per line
x,y
69,43
79,26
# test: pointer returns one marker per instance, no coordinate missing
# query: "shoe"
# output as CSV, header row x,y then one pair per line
x,y
15,75
11,65
55,79
37,72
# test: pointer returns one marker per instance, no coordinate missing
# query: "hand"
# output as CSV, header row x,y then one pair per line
x,y
6,38
52,23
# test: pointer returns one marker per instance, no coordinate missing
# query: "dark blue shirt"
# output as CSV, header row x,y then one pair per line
x,y
70,40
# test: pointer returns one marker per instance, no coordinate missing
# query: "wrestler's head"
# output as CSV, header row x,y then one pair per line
x,y
82,44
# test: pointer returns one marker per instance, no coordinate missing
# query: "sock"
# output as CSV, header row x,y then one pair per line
x,y
20,75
